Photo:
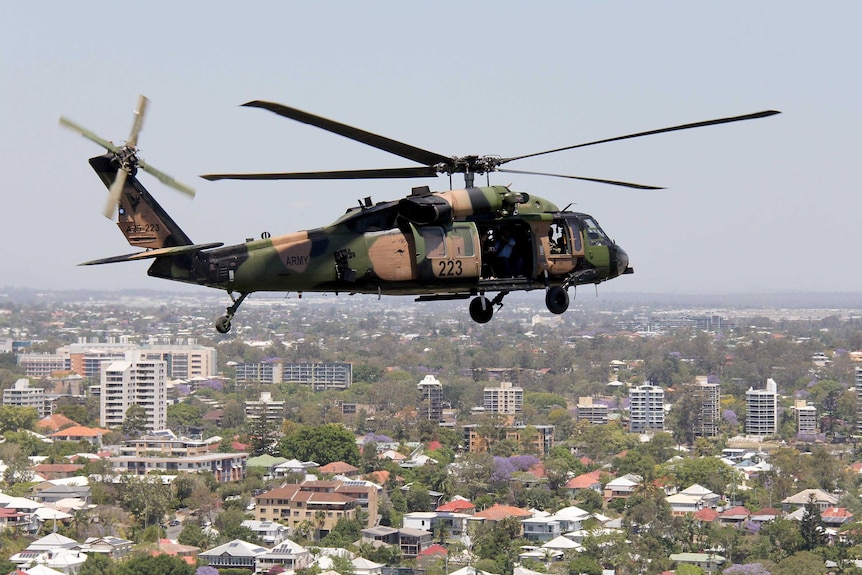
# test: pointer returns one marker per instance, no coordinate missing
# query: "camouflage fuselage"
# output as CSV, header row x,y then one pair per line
x,y
427,244
436,245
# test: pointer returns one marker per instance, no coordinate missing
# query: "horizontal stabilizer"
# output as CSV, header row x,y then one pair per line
x,y
150,254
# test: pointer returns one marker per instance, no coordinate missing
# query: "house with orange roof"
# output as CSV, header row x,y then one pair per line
x,y
584,481
432,555
835,516
381,477
187,553
339,468
706,515
81,433
734,516
458,505
54,422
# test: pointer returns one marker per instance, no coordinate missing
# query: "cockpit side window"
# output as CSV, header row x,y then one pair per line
x,y
594,233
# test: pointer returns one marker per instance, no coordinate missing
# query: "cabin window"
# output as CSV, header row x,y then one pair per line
x,y
435,246
462,243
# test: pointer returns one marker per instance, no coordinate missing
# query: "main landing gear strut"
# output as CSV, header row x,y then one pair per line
x,y
482,309
222,324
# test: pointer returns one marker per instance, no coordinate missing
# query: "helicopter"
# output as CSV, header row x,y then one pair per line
x,y
456,244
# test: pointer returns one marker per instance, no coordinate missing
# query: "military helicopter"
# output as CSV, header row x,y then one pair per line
x,y
448,245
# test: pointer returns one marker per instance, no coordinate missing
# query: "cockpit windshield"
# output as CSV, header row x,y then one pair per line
x,y
594,233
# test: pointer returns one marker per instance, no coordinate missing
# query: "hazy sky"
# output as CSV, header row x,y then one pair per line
x,y
760,206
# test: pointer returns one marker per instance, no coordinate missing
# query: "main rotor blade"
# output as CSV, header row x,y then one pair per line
x,y
417,172
139,121
728,120
64,121
600,181
374,140
166,179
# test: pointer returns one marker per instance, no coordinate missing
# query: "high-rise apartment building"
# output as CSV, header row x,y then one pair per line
x,y
596,413
267,408
806,417
22,395
430,398
268,371
320,376
646,409
135,380
709,401
761,418
859,400
184,361
505,399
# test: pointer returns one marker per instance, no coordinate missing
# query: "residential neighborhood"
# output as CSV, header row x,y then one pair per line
x,y
602,450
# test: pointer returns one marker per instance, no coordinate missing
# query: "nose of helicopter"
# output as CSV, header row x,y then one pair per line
x,y
622,261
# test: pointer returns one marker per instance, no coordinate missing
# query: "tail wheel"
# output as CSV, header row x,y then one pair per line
x,y
481,309
557,300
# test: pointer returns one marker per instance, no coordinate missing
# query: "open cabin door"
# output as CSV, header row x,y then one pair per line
x,y
559,245
448,252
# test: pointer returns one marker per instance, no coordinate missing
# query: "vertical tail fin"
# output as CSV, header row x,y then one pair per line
x,y
141,219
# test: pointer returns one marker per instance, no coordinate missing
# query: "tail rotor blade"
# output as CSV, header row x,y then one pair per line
x,y
115,193
66,122
139,120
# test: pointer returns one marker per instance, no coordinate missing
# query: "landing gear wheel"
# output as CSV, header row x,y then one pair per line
x,y
222,324
481,309
557,300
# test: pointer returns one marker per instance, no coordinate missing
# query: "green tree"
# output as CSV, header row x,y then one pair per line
x,y
97,564
192,534
15,418
811,526
417,498
135,421
161,564
801,563
322,444
262,437
17,465
185,414
146,499
233,414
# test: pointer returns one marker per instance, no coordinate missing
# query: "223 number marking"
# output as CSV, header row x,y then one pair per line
x,y
449,268
136,229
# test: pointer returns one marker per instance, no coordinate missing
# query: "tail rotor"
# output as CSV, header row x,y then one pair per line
x,y
127,157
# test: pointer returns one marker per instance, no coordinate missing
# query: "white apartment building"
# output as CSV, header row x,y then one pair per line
x,y
430,398
646,409
709,399
761,418
596,413
320,376
806,417
135,380
22,395
266,407
505,399
858,400
184,361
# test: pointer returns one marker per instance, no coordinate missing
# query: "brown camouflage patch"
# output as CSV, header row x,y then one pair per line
x,y
392,255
